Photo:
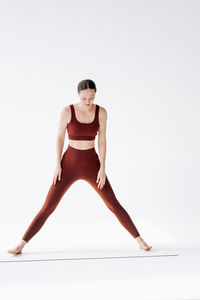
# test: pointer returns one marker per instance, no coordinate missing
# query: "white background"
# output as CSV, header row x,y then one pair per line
x,y
144,58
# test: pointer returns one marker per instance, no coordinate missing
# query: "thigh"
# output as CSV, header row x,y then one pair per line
x,y
56,192
106,193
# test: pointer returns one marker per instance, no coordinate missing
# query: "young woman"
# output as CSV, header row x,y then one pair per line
x,y
80,161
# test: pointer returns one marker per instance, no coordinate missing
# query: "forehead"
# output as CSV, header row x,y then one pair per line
x,y
87,93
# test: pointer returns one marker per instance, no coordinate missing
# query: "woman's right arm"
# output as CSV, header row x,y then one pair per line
x,y
64,119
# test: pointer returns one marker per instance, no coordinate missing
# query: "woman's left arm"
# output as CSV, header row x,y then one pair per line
x,y
101,176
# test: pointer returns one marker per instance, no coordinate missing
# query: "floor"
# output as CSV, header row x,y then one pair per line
x,y
149,277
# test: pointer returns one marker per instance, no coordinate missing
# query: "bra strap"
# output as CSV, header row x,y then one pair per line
x,y
72,112
97,112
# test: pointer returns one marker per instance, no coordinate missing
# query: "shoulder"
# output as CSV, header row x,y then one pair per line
x,y
65,113
65,110
102,113
102,110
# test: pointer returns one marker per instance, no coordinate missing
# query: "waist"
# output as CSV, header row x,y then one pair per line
x,y
92,149
79,155
82,144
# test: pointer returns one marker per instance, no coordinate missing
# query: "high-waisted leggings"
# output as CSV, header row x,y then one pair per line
x,y
79,164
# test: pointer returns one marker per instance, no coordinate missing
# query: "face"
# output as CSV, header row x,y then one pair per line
x,y
87,97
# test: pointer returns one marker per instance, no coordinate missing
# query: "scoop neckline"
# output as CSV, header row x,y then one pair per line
x,y
82,122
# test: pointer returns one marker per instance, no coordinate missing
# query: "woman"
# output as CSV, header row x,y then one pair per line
x,y
80,161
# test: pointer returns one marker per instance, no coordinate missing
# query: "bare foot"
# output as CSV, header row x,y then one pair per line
x,y
18,249
143,245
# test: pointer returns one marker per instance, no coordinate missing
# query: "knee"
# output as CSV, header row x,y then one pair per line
x,y
116,207
46,211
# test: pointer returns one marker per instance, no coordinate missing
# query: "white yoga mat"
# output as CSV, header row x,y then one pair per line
x,y
85,253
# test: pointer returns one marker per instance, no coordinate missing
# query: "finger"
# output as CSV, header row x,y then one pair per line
x,y
102,185
97,178
99,184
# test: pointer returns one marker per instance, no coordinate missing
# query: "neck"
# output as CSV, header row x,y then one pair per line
x,y
85,107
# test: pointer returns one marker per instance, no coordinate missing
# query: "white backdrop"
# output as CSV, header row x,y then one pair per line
x,y
144,58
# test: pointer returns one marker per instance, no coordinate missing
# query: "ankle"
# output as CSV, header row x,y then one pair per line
x,y
22,243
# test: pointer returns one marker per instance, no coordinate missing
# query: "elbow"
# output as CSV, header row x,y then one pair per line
x,y
102,142
60,138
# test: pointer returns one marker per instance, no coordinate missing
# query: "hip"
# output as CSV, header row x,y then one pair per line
x,y
77,156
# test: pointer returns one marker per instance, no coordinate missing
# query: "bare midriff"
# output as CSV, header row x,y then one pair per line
x,y
82,144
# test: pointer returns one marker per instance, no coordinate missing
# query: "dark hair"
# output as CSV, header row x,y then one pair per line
x,y
86,84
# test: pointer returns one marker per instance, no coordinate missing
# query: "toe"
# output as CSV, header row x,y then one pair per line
x,y
10,251
148,248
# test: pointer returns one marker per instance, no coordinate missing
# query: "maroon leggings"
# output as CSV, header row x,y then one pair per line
x,y
79,164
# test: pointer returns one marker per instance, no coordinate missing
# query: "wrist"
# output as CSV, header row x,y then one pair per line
x,y
102,167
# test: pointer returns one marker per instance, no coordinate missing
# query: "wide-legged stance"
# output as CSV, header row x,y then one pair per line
x,y
79,164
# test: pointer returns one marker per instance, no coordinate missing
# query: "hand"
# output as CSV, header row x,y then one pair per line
x,y
57,173
101,178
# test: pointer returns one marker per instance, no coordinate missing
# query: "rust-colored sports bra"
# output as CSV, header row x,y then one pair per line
x,y
83,131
